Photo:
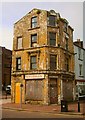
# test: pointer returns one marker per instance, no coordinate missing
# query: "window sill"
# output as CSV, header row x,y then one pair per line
x,y
81,76
52,26
80,59
33,28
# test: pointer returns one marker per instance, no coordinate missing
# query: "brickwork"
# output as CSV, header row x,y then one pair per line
x,y
42,50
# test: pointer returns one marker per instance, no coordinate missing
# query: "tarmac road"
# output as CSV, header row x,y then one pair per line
x,y
8,113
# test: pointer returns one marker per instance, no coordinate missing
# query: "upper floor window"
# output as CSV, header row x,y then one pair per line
x,y
18,63
51,20
80,69
19,42
34,22
79,53
65,27
66,43
52,39
33,62
33,40
52,62
67,64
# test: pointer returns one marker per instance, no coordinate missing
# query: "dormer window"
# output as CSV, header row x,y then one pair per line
x,y
33,22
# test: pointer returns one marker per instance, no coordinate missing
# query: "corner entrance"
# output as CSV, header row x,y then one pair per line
x,y
17,93
53,91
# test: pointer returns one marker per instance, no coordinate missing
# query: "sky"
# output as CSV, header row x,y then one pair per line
x,y
13,11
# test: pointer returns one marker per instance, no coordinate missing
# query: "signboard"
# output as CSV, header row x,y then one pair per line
x,y
35,76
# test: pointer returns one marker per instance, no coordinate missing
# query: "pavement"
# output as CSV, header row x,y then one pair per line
x,y
54,108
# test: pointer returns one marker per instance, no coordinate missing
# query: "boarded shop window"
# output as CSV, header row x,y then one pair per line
x,y
18,63
33,40
52,38
51,20
52,62
34,90
34,22
33,61
19,42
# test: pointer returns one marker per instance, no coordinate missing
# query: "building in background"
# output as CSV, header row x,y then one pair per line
x,y
79,67
5,66
42,59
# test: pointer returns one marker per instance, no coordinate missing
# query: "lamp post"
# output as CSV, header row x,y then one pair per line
x,y
78,99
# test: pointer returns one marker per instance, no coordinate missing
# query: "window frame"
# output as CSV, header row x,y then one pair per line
x,y
52,22
18,65
50,39
32,42
34,24
19,42
33,63
53,64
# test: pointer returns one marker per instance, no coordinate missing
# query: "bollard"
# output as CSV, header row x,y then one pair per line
x,y
78,106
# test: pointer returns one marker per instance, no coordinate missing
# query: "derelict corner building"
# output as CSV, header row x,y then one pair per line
x,y
43,58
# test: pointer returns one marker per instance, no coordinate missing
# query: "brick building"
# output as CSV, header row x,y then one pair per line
x,y
43,58
5,66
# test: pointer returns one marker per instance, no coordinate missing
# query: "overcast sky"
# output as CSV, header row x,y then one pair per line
x,y
13,11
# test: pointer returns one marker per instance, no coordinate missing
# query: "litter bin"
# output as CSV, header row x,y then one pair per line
x,y
64,106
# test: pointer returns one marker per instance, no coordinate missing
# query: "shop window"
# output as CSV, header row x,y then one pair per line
x,y
19,42
52,39
18,63
33,62
34,22
52,62
33,40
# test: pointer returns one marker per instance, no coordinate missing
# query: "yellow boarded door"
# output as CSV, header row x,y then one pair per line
x,y
17,93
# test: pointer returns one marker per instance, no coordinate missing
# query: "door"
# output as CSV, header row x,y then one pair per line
x,y
17,93
53,92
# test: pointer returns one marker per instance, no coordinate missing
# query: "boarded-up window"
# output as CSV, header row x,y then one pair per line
x,y
53,62
19,42
51,20
34,90
52,39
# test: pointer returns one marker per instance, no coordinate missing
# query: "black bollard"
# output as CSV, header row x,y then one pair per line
x,y
78,106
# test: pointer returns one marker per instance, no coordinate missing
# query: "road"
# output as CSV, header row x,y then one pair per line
x,y
7,113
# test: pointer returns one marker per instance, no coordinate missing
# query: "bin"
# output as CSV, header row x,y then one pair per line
x,y
64,106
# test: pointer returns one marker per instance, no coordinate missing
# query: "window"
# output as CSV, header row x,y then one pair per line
x,y
51,20
18,63
52,38
33,40
80,69
34,22
65,27
19,42
52,62
79,53
33,62
67,64
66,43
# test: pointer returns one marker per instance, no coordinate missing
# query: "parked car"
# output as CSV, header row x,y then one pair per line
x,y
8,89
